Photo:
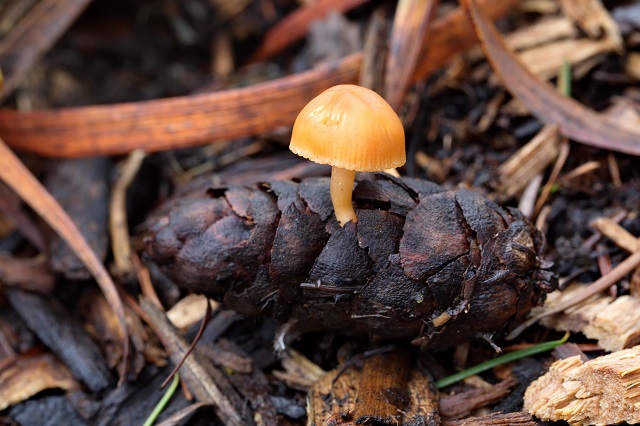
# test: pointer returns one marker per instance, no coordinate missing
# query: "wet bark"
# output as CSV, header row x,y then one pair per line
x,y
424,262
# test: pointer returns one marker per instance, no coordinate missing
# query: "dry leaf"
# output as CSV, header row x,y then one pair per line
x,y
191,120
576,121
20,179
29,375
409,30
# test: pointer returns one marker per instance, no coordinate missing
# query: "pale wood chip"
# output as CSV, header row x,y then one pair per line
x,y
547,59
189,310
603,391
530,160
614,324
30,375
616,233
545,31
593,18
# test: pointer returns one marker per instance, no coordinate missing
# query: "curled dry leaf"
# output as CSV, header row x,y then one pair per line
x,y
409,30
576,121
198,119
20,179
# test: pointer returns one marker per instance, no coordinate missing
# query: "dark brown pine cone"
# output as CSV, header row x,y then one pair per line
x,y
422,262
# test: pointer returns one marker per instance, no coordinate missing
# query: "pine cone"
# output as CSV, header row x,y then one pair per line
x,y
423,262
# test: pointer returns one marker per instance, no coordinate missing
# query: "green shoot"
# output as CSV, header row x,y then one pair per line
x,y
503,359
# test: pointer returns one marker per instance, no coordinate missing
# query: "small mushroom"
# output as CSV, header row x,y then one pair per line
x,y
353,129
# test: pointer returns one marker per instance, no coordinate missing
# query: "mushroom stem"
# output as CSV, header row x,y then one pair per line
x,y
341,189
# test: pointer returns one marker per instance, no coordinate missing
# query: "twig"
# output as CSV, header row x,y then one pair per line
x,y
118,226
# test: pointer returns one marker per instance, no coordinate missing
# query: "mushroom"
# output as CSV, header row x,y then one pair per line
x,y
352,128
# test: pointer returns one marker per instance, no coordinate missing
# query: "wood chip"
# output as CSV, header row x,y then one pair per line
x,y
206,382
617,234
542,32
461,404
383,392
27,274
29,375
300,372
593,18
49,320
528,161
548,59
603,391
495,419
189,310
614,324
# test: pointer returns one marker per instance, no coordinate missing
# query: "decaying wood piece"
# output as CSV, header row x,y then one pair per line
x,y
81,186
603,391
495,419
383,390
462,404
27,274
65,336
40,371
205,381
528,161
614,324
49,410
423,262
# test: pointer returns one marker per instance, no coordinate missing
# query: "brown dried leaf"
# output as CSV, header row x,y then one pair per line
x,y
409,30
29,375
576,121
20,179
190,120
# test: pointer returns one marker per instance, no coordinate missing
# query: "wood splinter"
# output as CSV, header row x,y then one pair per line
x,y
602,391
382,390
614,324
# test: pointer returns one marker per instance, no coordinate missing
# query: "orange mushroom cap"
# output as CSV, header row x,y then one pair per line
x,y
351,127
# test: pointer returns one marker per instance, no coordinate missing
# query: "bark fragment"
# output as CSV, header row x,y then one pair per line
x,y
64,336
459,405
418,254
496,419
384,390
603,391
81,188
614,324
